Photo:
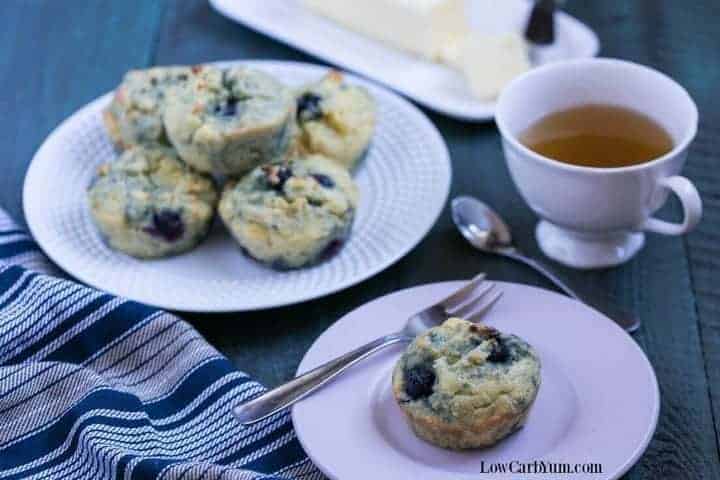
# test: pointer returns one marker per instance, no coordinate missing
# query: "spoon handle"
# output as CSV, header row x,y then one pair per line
x,y
545,272
600,302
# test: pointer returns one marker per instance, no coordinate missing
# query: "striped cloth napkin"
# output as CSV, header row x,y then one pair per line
x,y
93,386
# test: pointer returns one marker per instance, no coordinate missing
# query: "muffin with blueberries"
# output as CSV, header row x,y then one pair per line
x,y
149,204
135,115
230,121
291,214
463,385
335,119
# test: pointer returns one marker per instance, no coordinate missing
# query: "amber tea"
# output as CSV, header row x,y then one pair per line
x,y
601,136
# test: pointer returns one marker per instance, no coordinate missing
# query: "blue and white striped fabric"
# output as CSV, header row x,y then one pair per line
x,y
93,386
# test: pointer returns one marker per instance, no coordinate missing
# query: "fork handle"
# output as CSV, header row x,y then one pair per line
x,y
287,394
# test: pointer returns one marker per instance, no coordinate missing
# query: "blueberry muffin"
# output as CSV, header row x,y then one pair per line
x,y
335,119
463,385
149,204
230,121
135,115
291,214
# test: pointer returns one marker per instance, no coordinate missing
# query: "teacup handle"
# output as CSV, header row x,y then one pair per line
x,y
691,203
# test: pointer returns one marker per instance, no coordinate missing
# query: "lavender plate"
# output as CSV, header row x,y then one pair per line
x,y
596,411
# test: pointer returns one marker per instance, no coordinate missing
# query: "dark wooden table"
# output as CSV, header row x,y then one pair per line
x,y
56,55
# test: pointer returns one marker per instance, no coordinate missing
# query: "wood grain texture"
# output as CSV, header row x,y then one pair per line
x,y
54,58
702,79
666,36
57,56
669,36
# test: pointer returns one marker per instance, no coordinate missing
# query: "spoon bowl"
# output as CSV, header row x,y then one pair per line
x,y
486,231
480,225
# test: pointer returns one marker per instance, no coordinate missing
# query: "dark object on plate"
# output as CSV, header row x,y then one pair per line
x,y
227,109
324,180
308,107
419,381
541,25
499,352
167,224
276,176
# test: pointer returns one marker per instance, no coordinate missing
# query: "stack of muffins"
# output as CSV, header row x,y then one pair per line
x,y
284,157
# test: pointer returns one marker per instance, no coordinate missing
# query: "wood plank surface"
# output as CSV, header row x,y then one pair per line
x,y
676,38
695,51
55,56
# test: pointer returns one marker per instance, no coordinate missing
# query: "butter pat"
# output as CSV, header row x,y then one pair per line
x,y
490,62
422,27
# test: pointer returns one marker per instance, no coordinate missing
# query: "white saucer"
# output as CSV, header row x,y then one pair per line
x,y
586,250
599,400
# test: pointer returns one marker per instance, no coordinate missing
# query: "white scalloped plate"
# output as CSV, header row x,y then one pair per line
x,y
404,183
433,85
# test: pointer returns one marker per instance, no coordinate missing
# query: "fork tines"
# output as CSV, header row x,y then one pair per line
x,y
469,304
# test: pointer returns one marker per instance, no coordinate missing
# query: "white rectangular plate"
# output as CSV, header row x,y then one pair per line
x,y
433,85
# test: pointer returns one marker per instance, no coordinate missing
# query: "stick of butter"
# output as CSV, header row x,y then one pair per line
x,y
490,62
423,27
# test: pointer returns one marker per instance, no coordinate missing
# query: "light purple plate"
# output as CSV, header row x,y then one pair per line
x,y
598,403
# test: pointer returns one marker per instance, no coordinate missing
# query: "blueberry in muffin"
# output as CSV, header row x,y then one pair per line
x,y
335,119
149,204
291,214
135,115
230,121
463,385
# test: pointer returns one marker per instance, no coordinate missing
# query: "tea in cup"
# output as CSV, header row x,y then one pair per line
x,y
595,146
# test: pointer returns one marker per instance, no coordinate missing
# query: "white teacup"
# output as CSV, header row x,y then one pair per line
x,y
595,217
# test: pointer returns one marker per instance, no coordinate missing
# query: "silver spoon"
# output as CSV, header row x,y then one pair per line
x,y
486,231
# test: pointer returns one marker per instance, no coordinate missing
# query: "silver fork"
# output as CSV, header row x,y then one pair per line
x,y
465,303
